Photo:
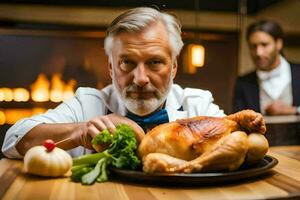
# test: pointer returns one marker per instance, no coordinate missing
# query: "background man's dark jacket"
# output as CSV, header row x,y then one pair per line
x,y
246,93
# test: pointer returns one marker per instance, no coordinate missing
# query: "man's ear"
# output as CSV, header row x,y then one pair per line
x,y
174,68
110,68
279,44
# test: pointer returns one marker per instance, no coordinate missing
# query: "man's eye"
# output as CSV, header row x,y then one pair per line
x,y
127,65
155,64
125,62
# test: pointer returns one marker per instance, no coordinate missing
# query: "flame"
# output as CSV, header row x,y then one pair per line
x,y
40,92
69,89
38,110
56,93
2,118
11,116
40,89
1,94
21,94
61,91
6,94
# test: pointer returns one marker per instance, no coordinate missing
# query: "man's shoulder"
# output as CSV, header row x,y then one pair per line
x,y
249,77
86,91
295,66
94,91
190,92
194,101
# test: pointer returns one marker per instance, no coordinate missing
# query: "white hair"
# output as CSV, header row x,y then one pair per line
x,y
137,19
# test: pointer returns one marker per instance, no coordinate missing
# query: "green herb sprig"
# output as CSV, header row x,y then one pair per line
x,y
121,154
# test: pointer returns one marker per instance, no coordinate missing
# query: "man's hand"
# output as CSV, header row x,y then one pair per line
x,y
96,125
71,135
279,108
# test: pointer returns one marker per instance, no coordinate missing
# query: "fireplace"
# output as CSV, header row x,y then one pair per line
x,y
42,68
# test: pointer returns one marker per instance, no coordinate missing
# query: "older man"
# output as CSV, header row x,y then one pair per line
x,y
142,45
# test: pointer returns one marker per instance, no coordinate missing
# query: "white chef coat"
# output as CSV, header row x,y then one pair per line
x,y
89,102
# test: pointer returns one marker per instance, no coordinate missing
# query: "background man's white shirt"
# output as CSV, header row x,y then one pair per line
x,y
275,85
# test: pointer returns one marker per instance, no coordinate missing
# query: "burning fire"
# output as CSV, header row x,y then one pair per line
x,y
11,116
6,94
21,94
56,94
2,117
69,89
42,90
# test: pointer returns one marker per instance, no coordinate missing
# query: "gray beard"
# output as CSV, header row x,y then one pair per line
x,y
142,107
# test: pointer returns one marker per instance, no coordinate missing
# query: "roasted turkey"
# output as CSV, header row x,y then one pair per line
x,y
204,144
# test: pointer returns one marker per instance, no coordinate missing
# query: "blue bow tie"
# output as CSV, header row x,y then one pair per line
x,y
159,117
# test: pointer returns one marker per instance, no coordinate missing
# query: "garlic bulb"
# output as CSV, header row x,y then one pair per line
x,y
47,161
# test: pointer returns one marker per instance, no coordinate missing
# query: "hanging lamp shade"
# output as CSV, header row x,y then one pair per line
x,y
197,53
195,57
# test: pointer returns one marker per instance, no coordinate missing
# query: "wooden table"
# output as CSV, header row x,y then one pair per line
x,y
283,182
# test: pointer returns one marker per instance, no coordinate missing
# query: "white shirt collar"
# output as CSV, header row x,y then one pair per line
x,y
275,81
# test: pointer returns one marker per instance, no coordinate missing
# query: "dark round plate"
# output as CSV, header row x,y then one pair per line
x,y
197,178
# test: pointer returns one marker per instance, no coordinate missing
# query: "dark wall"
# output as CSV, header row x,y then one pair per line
x,y
219,71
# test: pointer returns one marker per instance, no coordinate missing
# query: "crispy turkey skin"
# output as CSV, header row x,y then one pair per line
x,y
203,144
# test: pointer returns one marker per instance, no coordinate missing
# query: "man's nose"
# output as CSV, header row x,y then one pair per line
x,y
140,75
259,51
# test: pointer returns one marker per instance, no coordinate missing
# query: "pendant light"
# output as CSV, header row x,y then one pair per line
x,y
195,50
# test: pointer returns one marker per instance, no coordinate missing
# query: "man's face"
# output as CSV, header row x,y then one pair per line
x,y
264,50
142,68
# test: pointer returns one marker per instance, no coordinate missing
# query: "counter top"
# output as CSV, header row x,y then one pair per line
x,y
282,119
282,182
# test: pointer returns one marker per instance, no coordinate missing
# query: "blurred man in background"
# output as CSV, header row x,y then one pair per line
x,y
274,87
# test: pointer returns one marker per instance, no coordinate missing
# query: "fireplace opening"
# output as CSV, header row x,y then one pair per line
x,y
42,68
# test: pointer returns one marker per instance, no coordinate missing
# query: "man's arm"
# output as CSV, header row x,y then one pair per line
x,y
279,108
75,122
75,134
64,113
56,132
